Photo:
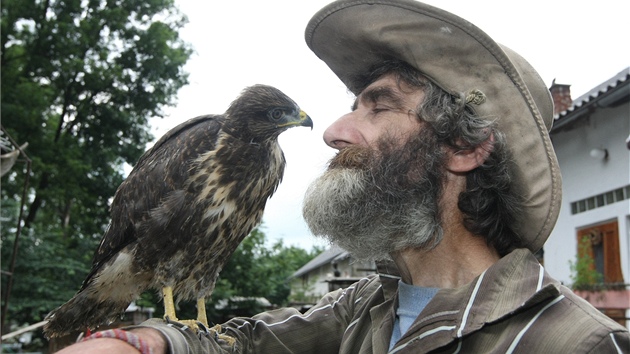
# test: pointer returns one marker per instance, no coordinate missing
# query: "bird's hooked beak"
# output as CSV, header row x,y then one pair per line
x,y
301,119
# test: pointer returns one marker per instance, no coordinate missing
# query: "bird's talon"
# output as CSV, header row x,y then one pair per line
x,y
228,339
192,324
216,328
201,327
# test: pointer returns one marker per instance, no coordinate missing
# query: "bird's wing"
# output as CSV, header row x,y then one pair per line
x,y
182,129
160,171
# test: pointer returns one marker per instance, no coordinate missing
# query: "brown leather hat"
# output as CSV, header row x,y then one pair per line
x,y
350,36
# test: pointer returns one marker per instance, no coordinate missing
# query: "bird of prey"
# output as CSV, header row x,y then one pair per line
x,y
184,208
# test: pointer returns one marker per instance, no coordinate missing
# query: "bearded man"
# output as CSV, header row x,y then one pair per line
x,y
446,176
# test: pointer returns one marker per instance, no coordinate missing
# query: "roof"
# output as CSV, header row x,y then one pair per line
x,y
327,256
607,93
235,300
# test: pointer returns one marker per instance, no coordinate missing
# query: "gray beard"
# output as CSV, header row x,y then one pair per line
x,y
388,204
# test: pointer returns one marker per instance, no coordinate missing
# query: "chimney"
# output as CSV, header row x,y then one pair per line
x,y
561,95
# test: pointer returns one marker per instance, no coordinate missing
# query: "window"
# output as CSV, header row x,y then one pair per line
x,y
600,200
601,243
603,248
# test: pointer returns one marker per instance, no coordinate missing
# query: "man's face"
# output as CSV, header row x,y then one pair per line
x,y
382,108
380,193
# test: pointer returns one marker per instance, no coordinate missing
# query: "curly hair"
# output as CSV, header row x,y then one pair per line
x,y
490,203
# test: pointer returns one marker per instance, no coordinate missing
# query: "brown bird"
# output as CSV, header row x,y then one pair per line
x,y
183,210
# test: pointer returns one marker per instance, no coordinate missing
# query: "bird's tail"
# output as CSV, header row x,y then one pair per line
x,y
104,296
81,313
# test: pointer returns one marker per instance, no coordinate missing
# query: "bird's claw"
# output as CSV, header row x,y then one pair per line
x,y
227,339
202,328
194,325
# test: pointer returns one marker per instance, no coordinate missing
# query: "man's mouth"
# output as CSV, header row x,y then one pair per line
x,y
354,157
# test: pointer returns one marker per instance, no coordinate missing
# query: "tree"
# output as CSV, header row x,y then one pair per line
x,y
80,80
257,269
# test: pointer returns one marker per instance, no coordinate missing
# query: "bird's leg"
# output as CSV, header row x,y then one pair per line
x,y
203,318
169,309
201,311
169,304
169,314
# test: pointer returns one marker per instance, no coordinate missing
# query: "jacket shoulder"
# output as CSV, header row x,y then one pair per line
x,y
584,328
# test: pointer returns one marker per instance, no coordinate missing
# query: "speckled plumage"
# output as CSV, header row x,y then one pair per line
x,y
185,207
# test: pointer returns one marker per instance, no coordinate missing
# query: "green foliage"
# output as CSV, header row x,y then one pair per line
x,y
44,277
80,80
258,270
583,273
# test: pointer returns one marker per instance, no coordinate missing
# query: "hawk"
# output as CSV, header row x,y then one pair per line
x,y
183,210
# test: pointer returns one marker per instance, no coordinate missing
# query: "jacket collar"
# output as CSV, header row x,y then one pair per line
x,y
513,284
389,276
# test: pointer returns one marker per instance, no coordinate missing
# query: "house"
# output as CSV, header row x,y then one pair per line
x,y
590,137
240,306
332,269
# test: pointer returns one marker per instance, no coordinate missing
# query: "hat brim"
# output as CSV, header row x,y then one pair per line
x,y
352,36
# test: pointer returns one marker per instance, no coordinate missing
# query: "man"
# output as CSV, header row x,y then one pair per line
x,y
445,175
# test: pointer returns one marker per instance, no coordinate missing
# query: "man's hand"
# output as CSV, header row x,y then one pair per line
x,y
152,337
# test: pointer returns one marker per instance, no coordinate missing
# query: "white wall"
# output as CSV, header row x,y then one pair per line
x,y
317,278
584,176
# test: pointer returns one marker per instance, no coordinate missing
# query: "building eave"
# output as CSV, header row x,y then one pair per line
x,y
609,93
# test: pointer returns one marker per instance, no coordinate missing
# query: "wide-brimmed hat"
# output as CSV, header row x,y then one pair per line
x,y
351,36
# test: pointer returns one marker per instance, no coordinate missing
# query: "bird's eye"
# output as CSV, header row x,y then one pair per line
x,y
276,113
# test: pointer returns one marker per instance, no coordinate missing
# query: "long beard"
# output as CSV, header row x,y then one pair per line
x,y
375,202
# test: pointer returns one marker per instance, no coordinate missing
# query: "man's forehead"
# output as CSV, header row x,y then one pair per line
x,y
389,87
386,80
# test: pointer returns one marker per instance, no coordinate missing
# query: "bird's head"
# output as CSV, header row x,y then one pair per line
x,y
262,112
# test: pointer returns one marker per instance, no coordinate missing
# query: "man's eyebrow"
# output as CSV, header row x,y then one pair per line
x,y
379,94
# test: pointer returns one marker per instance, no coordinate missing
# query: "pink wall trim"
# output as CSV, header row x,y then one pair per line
x,y
607,299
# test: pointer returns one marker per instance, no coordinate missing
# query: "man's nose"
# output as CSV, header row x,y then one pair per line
x,y
343,132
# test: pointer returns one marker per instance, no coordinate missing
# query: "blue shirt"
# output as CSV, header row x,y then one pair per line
x,y
411,301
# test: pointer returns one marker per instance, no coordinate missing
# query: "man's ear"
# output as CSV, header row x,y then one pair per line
x,y
461,161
